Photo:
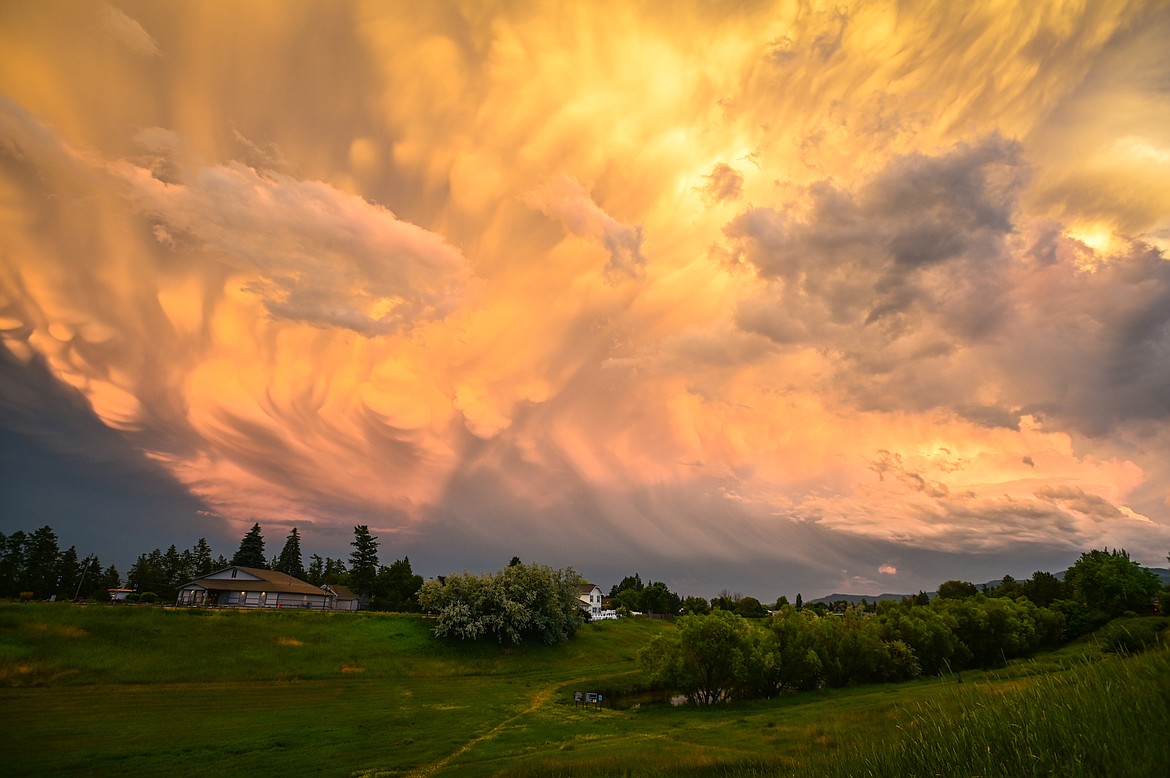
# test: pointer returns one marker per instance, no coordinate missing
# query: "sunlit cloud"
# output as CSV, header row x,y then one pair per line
x,y
774,293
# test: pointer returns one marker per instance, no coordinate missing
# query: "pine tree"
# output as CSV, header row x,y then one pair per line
x,y
251,551
363,561
43,558
316,572
289,561
201,561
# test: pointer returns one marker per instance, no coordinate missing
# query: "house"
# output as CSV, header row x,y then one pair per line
x,y
250,587
119,595
344,597
590,597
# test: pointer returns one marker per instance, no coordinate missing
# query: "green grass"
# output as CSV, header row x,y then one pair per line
x,y
149,691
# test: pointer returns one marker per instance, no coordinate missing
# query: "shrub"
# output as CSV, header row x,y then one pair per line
x,y
1132,636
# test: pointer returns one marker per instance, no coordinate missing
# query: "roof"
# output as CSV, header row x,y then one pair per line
x,y
342,592
586,588
270,581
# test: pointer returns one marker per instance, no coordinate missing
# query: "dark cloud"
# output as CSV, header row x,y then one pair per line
x,y
925,293
723,183
59,465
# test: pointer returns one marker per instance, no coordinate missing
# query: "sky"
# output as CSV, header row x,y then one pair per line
x,y
759,297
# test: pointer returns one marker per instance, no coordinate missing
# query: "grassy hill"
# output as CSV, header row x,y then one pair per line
x,y
150,691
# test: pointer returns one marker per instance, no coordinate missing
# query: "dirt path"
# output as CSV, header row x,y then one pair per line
x,y
539,700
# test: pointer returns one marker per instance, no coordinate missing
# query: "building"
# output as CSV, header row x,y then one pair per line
x,y
344,597
590,597
250,587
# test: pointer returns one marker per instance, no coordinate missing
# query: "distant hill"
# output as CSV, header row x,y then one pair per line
x,y
1163,573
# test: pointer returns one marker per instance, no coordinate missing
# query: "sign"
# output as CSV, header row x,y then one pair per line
x,y
587,698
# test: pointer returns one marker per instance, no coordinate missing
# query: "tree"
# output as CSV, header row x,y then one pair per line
x,y
397,587
69,573
1109,581
521,602
956,590
41,563
289,562
251,551
202,562
629,583
13,563
657,598
110,579
695,606
725,600
363,561
709,659
1044,588
750,608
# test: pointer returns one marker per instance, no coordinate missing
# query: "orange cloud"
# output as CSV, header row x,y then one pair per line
x,y
775,284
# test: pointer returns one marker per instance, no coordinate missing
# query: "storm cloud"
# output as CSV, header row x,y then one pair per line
x,y
765,299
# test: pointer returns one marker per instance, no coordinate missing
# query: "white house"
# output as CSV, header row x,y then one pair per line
x,y
250,587
590,597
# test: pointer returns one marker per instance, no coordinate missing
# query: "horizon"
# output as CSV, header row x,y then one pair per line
x,y
856,299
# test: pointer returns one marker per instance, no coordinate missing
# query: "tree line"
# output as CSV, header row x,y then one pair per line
x,y
721,655
33,566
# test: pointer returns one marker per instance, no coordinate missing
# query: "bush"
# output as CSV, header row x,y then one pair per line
x,y
1132,636
148,598
517,603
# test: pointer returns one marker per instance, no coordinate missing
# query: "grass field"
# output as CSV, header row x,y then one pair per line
x,y
150,691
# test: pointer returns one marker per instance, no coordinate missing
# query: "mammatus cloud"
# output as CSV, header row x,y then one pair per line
x,y
566,200
782,294
318,255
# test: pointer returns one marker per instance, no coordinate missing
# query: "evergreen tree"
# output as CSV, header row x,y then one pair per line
x,y
316,572
289,561
148,573
110,579
175,571
397,587
69,573
363,561
42,563
12,563
201,561
334,571
90,584
251,551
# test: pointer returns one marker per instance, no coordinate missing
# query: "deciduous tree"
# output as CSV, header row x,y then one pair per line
x,y
520,602
1111,582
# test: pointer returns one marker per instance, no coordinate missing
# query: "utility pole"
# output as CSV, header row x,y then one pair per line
x,y
84,570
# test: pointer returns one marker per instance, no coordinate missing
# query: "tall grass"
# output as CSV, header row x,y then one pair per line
x,y
1105,718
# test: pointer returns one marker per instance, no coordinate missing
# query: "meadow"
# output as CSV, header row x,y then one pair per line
x,y
102,690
